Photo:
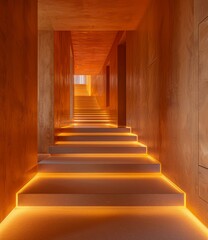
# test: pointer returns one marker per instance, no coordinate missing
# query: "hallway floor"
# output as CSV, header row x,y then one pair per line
x,y
99,183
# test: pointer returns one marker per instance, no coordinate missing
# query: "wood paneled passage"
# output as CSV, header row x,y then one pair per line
x,y
62,56
89,15
91,50
18,98
45,90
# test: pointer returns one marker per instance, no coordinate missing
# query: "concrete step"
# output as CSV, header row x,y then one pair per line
x,y
100,190
97,147
95,130
80,110
97,137
91,121
99,164
91,117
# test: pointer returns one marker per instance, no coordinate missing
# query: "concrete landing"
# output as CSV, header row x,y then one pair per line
x,y
63,223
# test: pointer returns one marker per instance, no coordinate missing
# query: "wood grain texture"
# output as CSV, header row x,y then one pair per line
x,y
99,81
87,15
91,50
18,98
203,96
162,93
201,34
45,90
201,10
62,80
203,183
143,79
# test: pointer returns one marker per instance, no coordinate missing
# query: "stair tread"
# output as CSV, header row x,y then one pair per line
x,y
98,184
98,160
95,134
92,128
97,144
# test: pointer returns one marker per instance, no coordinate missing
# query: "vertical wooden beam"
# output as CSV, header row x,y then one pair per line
x,y
45,90
62,46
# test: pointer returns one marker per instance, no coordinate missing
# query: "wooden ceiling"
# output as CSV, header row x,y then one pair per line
x,y
86,19
91,50
88,15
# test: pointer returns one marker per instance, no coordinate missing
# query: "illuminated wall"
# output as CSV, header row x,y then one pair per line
x,y
18,98
45,90
63,76
162,90
162,82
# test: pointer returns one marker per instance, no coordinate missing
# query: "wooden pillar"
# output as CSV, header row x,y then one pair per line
x,y
45,90
62,79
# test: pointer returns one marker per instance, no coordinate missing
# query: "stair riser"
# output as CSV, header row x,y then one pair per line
x,y
95,138
101,199
99,168
65,150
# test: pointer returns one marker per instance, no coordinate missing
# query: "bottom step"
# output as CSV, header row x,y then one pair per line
x,y
100,190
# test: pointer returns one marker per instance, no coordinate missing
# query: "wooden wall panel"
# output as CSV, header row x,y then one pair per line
x,y
62,56
162,102
203,93
201,75
201,11
18,98
162,92
99,81
178,115
203,183
143,80
45,90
